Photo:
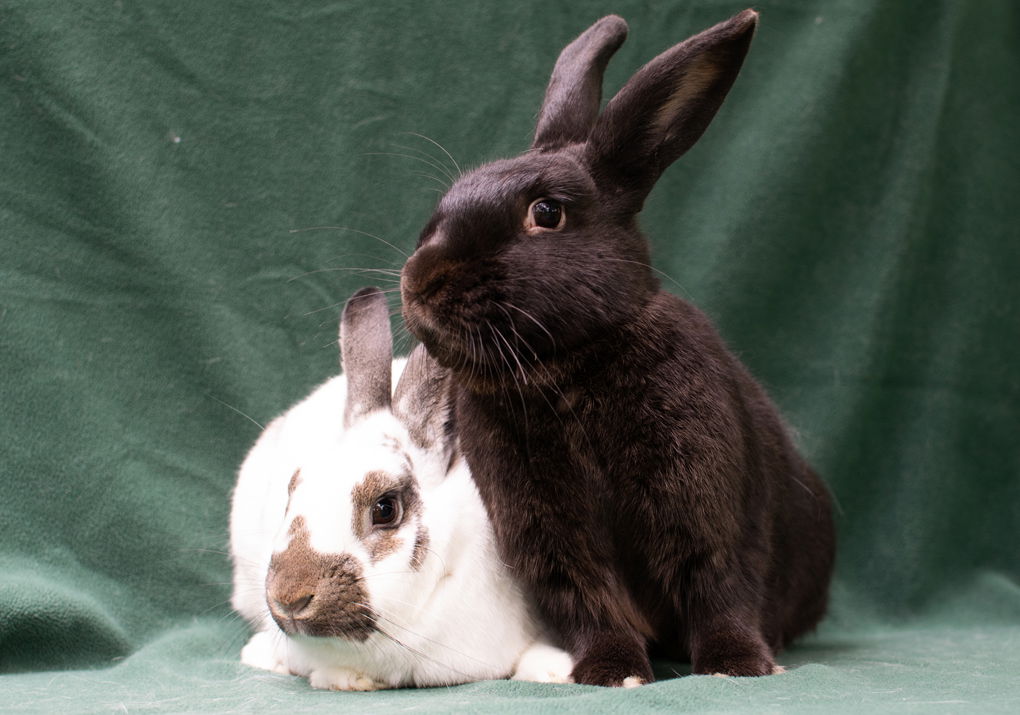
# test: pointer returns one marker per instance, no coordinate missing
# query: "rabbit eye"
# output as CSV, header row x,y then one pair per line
x,y
546,213
386,511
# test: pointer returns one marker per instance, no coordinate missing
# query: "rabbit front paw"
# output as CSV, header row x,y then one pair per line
x,y
342,679
542,663
264,651
736,658
618,662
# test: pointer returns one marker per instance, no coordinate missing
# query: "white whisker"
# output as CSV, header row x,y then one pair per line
x,y
352,230
441,148
431,164
243,414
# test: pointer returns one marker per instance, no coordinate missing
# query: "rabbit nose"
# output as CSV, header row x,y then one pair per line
x,y
426,273
294,606
432,285
423,284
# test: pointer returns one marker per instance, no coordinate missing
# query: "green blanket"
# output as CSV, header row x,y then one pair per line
x,y
190,190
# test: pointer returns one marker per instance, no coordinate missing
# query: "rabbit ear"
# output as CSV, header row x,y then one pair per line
x,y
666,106
422,400
366,350
575,88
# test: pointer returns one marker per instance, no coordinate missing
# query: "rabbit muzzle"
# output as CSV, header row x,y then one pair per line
x,y
423,287
315,594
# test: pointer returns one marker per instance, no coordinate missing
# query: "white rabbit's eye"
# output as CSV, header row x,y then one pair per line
x,y
545,213
386,512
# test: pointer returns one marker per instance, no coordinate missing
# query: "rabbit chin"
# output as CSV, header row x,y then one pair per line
x,y
483,370
419,322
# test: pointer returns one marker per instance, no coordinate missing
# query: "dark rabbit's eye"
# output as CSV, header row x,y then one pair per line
x,y
546,213
386,511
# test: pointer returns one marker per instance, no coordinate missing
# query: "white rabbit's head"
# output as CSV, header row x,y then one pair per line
x,y
354,545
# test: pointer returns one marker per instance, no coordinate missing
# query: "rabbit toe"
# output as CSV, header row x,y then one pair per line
x,y
342,679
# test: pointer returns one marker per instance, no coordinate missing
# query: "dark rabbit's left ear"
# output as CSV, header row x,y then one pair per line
x,y
666,107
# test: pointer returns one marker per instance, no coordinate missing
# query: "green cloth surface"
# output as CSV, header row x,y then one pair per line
x,y
190,190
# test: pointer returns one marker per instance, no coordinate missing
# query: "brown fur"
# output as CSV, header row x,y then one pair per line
x,y
381,543
317,594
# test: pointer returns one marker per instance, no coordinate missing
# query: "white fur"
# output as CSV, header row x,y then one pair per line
x,y
460,617
544,663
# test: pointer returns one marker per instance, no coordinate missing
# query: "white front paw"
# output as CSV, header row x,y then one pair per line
x,y
542,663
342,679
266,650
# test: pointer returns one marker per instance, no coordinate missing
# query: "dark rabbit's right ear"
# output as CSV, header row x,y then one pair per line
x,y
666,107
574,93
366,351
422,400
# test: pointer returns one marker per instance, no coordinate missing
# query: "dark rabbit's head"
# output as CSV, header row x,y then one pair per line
x,y
528,258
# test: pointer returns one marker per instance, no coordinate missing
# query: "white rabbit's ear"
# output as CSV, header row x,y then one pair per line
x,y
666,106
366,350
422,401
575,89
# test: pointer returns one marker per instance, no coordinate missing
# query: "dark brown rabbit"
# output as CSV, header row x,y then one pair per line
x,y
640,481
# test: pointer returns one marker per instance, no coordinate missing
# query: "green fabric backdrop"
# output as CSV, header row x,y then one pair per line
x,y
850,220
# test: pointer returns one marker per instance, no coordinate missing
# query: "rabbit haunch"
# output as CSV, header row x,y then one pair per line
x,y
640,482
362,552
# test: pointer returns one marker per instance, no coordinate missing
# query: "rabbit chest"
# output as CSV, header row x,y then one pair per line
x,y
641,448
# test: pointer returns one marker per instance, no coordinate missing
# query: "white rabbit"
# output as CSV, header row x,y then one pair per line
x,y
363,555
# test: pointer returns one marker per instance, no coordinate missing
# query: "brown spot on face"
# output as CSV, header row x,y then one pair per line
x,y
384,541
294,481
421,547
317,594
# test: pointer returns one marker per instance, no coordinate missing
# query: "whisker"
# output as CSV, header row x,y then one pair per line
x,y
431,158
534,320
347,269
333,306
352,230
441,148
650,267
432,164
243,414
436,179
345,257
424,656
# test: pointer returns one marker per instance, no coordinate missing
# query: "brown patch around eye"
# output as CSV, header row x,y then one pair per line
x,y
366,492
383,542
